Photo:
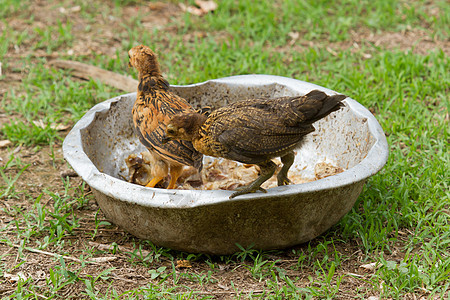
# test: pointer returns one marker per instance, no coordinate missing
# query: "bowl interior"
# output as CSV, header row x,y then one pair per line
x,y
342,139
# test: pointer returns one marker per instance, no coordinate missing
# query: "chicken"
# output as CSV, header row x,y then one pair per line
x,y
154,107
255,131
141,169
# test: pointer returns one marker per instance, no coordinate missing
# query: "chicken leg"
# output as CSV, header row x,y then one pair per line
x,y
175,172
287,161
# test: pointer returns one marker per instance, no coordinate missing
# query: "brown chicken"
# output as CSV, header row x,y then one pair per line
x,y
255,131
154,107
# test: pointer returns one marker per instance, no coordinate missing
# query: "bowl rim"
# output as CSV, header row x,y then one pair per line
x,y
162,198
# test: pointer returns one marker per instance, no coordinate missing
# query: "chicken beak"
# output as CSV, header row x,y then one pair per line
x,y
166,139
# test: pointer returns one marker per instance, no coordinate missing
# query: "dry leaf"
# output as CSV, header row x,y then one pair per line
x,y
69,10
103,259
39,123
13,278
223,287
157,5
370,267
5,143
68,173
184,263
354,274
294,35
323,169
204,7
58,127
334,53
191,9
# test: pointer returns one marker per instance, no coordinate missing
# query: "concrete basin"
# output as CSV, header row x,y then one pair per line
x,y
207,221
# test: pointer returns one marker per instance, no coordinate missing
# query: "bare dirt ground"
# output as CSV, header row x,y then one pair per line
x,y
44,174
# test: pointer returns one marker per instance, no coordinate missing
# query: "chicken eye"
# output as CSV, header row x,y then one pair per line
x,y
170,131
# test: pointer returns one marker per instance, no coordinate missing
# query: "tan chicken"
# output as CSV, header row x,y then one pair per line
x,y
255,131
153,109
139,168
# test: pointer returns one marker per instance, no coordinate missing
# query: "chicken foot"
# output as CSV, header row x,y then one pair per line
x,y
267,170
154,181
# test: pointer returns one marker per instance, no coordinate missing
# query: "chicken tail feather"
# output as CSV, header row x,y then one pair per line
x,y
329,104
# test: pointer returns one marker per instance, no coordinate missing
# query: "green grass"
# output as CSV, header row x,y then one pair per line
x,y
400,221
9,7
271,22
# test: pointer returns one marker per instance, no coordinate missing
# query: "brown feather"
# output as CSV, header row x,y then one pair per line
x,y
257,130
153,109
